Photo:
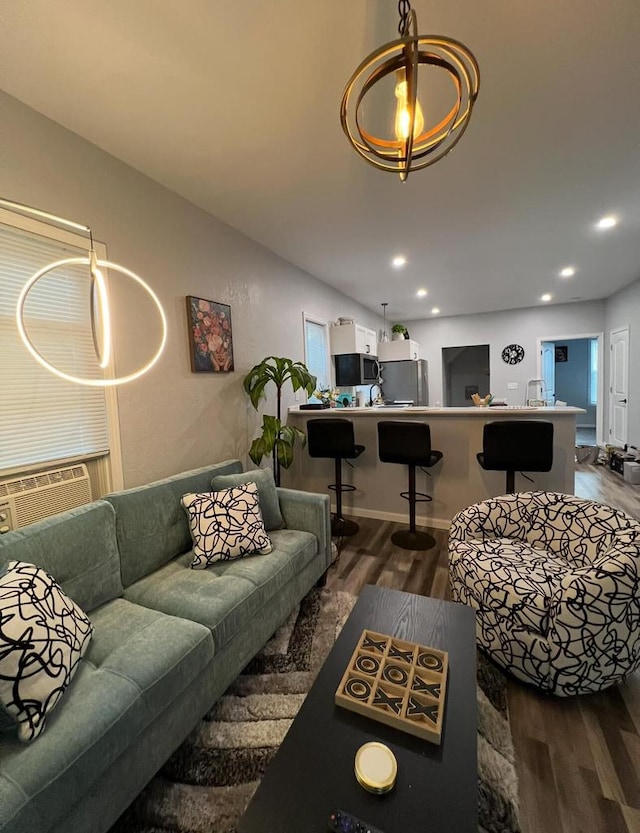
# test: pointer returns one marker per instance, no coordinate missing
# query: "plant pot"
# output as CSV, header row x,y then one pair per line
x,y
397,336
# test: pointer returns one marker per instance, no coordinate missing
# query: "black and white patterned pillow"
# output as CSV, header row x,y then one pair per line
x,y
226,524
43,636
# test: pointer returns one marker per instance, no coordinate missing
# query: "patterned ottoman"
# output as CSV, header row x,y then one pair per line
x,y
555,582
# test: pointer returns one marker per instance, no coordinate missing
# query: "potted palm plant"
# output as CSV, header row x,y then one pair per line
x,y
276,439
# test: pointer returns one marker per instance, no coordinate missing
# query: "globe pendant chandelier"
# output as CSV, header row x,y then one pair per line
x,y
412,147
99,304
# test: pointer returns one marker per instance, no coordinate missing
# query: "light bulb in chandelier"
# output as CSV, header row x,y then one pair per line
x,y
405,125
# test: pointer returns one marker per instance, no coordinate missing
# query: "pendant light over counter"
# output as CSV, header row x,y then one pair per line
x,y
412,147
385,336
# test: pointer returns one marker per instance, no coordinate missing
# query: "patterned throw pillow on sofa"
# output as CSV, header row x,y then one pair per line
x,y
226,524
43,637
267,493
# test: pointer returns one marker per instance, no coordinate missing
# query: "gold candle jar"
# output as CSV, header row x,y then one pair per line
x,y
376,767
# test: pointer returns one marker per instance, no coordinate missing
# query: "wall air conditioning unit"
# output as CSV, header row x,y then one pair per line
x,y
32,497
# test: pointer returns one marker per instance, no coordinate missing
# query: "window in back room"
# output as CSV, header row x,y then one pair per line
x,y
316,351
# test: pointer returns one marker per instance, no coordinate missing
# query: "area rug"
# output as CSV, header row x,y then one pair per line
x,y
206,785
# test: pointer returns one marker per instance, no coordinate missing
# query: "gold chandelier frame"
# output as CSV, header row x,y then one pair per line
x,y
407,53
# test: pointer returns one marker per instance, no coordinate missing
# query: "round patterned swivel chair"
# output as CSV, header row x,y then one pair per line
x,y
555,582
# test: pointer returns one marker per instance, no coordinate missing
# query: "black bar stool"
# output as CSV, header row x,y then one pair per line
x,y
334,438
409,444
517,445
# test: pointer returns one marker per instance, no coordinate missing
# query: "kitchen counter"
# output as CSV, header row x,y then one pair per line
x,y
456,482
503,411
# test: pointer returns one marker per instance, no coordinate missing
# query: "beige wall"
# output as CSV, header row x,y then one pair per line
x,y
171,419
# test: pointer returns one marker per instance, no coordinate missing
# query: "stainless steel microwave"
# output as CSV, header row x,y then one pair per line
x,y
356,369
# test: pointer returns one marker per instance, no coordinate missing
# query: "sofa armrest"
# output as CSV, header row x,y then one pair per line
x,y
308,512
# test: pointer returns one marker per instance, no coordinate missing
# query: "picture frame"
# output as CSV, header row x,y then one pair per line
x,y
562,352
210,335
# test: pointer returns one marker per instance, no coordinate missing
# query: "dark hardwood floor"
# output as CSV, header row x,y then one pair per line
x,y
579,758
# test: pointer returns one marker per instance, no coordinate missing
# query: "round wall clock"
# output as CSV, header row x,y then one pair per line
x,y
513,354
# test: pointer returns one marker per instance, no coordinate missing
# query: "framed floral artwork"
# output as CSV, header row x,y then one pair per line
x,y
210,336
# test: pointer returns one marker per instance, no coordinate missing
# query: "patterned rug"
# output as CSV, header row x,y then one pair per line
x,y
206,785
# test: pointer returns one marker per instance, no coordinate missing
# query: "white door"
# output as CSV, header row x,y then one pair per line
x,y
619,386
549,369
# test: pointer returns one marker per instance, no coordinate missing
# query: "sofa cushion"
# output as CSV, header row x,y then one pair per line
x,y
225,525
227,594
139,661
512,577
151,525
43,637
267,493
78,547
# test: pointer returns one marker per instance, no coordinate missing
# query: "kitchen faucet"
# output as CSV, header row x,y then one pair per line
x,y
380,395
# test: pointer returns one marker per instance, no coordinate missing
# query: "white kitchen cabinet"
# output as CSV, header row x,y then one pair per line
x,y
352,338
396,351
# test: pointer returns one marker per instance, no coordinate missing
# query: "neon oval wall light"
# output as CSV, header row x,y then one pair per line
x,y
106,336
100,312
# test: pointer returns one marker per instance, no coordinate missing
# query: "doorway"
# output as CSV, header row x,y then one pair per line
x,y
619,386
465,371
572,370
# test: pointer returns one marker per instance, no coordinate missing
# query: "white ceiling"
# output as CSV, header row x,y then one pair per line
x,y
235,107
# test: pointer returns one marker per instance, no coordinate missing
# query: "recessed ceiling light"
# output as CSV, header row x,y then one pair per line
x,y
399,261
545,297
607,222
435,310
567,272
421,293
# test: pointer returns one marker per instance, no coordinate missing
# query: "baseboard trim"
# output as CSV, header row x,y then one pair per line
x,y
396,517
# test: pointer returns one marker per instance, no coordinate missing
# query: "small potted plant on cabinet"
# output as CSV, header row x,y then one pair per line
x,y
398,332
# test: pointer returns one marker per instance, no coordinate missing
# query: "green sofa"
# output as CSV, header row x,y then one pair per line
x,y
167,642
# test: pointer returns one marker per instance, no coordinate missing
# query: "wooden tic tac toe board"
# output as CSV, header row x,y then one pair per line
x,y
399,683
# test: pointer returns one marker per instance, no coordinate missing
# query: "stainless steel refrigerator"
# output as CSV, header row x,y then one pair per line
x,y
405,382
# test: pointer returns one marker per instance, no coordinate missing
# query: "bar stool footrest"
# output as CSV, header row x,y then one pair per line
x,y
343,487
420,497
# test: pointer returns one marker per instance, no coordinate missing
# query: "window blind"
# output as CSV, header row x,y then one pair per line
x,y
42,417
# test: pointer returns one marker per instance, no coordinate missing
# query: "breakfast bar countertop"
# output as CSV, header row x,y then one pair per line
x,y
472,411
455,483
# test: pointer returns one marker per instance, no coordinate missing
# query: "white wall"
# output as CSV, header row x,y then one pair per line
x,y
623,310
171,419
498,329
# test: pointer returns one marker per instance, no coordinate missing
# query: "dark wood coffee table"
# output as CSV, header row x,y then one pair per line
x,y
312,772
